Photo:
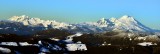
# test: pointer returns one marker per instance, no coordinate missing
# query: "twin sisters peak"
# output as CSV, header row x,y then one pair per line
x,y
27,25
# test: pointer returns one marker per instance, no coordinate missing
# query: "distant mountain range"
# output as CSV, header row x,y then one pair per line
x,y
24,25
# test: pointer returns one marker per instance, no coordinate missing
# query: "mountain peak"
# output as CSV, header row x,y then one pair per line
x,y
37,21
126,18
112,19
25,16
102,21
19,18
124,23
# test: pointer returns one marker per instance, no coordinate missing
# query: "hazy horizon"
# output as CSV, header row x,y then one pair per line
x,y
145,11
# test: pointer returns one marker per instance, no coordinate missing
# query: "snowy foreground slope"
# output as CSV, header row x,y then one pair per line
x,y
25,24
51,45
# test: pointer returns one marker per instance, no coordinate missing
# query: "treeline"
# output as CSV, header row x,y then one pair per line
x,y
52,33
14,38
45,34
113,38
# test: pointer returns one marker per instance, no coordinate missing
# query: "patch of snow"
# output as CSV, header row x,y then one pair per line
x,y
78,34
40,42
1,28
56,47
7,27
69,40
54,39
41,53
103,44
75,47
5,50
146,44
141,38
79,42
43,49
130,39
25,44
109,44
9,43
120,49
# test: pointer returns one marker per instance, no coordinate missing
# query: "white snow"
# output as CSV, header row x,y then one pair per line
x,y
9,43
15,44
43,49
141,38
109,44
146,44
40,42
123,23
70,38
7,28
41,53
79,42
56,47
54,39
26,20
25,44
1,28
102,22
75,47
5,50
78,34
130,39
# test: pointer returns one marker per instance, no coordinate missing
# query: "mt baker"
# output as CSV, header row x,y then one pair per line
x,y
24,25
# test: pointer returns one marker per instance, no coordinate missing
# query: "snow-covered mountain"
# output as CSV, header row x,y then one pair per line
x,y
125,23
26,20
25,23
129,23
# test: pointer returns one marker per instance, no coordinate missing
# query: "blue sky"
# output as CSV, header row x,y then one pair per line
x,y
74,11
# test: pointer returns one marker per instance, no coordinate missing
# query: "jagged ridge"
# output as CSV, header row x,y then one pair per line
x,y
125,23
